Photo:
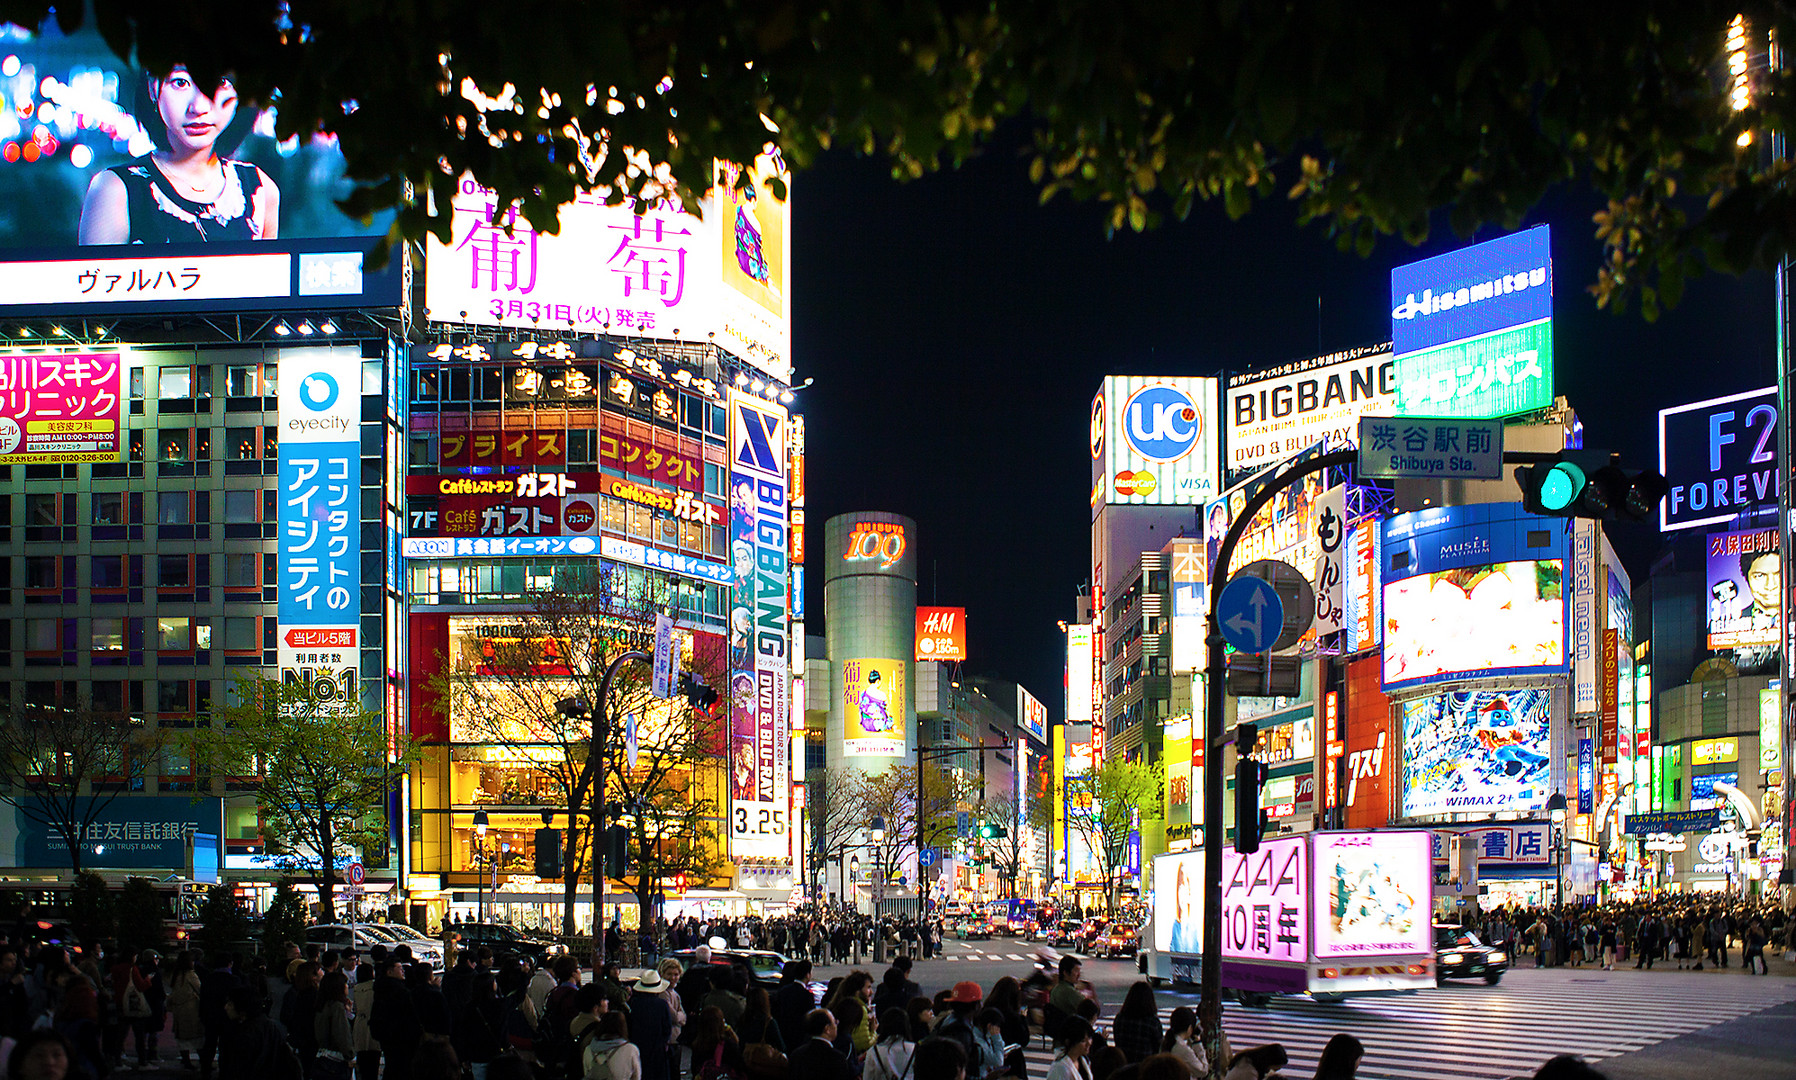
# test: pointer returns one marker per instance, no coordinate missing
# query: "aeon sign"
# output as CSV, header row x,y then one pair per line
x,y
1162,423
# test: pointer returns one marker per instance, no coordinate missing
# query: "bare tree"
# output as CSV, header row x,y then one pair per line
x,y
63,765
323,769
1005,853
1103,804
838,816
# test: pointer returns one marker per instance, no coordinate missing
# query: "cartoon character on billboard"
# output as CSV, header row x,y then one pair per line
x,y
184,192
875,708
1503,735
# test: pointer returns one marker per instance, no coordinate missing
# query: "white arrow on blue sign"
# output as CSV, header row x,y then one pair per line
x,y
927,857
1251,614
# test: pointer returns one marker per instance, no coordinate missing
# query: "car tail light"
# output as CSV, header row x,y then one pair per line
x,y
1418,969
1329,973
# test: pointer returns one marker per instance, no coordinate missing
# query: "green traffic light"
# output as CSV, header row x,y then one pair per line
x,y
1561,486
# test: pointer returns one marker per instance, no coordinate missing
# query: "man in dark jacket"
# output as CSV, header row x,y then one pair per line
x,y
651,1025
216,984
792,1002
896,989
428,1000
255,1046
458,982
817,1058
393,1019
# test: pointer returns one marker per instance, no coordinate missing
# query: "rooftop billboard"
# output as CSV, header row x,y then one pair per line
x,y
1153,441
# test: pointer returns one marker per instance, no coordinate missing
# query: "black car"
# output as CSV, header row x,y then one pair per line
x,y
507,941
1067,933
1458,954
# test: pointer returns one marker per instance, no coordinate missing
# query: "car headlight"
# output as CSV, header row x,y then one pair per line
x,y
1452,958
1498,957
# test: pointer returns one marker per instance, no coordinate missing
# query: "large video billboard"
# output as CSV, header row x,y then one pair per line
x,y
1372,894
661,273
1472,591
874,707
128,193
759,639
1720,458
1473,329
1745,587
1280,411
1153,441
320,472
1478,751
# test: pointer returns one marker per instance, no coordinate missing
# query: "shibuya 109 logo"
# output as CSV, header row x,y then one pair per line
x,y
1162,423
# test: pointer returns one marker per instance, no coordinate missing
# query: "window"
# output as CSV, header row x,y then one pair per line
x,y
240,381
172,508
202,633
40,572
240,506
174,382
40,510
580,447
174,633
613,510
175,444
41,635
109,572
271,443
108,697
641,521
421,450
240,443
109,635
173,570
137,384
109,508
173,696
241,570
424,385
240,632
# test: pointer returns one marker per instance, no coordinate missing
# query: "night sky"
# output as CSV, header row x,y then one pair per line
x,y
957,332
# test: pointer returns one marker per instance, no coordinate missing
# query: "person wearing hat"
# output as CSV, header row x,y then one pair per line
x,y
651,1025
957,1024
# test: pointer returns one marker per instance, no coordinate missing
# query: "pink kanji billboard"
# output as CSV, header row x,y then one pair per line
x,y
61,407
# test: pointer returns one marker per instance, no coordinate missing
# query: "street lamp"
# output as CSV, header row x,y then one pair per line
x,y
878,836
480,824
1556,811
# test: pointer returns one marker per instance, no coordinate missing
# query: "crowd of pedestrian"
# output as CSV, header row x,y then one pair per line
x,y
1692,932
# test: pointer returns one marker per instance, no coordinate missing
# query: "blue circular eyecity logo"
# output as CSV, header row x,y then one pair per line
x,y
318,391
1162,423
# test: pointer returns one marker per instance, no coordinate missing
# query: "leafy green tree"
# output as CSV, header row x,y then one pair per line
x,y
223,923
1103,804
285,920
323,772
139,915
1371,117
91,908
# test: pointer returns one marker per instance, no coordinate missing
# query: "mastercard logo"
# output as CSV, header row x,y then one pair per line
x,y
1130,482
579,517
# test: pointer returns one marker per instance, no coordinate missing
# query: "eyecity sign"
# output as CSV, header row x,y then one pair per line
x,y
1473,329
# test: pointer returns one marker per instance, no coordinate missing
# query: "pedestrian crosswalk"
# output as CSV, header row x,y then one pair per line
x,y
1476,1032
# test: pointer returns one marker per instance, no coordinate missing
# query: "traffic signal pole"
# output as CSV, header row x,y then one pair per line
x,y
1210,974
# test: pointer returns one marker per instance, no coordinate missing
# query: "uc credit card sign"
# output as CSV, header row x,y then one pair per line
x,y
1720,458
320,559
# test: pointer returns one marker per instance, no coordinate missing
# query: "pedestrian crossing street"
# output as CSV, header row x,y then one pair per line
x,y
1480,1032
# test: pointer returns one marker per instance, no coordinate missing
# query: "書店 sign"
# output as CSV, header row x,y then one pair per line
x,y
1430,447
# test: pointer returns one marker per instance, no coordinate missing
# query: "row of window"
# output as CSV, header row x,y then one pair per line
x,y
164,633
191,382
253,569
447,581
124,695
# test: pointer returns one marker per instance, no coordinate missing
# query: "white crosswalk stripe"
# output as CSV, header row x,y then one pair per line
x,y
1477,1032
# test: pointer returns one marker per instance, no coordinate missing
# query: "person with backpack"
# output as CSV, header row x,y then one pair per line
x,y
610,1055
890,1057
716,1052
964,1002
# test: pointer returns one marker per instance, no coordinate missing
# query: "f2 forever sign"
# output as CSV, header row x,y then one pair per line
x,y
1720,458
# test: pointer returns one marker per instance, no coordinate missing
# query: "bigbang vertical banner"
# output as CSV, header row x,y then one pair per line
x,y
759,628
1745,584
61,407
320,512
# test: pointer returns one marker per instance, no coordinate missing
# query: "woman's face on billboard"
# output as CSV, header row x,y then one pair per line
x,y
194,119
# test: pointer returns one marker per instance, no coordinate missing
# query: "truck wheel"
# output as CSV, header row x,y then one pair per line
x,y
1155,980
1254,999
1493,978
1329,999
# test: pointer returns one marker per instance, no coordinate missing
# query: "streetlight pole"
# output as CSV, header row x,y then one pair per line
x,y
1556,811
480,826
878,836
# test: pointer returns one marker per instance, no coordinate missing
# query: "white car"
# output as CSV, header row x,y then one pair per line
x,y
367,935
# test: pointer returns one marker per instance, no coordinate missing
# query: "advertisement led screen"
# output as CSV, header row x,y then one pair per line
x,y
1275,413
1179,903
941,633
1078,674
874,707
61,407
1266,913
1032,715
1372,895
1153,441
1473,329
320,513
759,628
1472,591
1719,458
127,192
1480,751
1745,587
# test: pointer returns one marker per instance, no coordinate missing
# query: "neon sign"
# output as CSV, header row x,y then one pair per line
x,y
882,540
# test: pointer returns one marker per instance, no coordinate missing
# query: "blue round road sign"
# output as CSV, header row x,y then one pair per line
x,y
927,858
1251,614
